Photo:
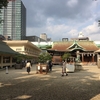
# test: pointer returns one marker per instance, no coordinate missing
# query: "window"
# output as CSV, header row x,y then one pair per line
x,y
18,49
6,59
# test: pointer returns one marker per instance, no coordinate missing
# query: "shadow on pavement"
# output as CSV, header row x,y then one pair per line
x,y
81,85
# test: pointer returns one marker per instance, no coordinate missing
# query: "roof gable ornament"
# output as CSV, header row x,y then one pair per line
x,y
74,46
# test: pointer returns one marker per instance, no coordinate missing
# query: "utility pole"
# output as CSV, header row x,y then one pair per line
x,y
99,23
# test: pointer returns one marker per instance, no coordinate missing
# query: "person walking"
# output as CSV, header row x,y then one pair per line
x,y
28,66
50,65
64,68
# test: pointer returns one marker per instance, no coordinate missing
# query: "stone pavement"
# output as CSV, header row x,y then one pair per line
x,y
80,85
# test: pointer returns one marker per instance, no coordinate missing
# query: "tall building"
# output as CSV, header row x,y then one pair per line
x,y
13,20
43,36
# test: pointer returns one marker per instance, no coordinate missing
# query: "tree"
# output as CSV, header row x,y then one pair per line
x,y
66,56
43,57
3,3
20,57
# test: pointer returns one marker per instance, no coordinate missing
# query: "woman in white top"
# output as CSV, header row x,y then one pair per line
x,y
28,66
64,68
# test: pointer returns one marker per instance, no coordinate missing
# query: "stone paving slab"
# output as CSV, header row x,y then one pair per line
x,y
80,85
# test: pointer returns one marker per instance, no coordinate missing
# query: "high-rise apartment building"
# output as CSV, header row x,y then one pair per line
x,y
13,20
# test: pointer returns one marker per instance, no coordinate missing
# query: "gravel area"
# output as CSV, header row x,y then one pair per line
x,y
80,85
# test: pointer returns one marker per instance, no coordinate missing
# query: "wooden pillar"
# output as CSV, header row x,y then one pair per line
x,y
82,57
1,61
98,60
10,61
93,58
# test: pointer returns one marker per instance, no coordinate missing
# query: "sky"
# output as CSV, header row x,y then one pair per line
x,y
63,18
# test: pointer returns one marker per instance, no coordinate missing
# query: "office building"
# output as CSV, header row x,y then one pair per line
x,y
13,20
43,36
34,39
64,39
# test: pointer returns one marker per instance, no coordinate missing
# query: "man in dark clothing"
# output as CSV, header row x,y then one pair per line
x,y
50,65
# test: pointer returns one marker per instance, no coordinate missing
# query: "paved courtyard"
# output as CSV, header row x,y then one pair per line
x,y
80,85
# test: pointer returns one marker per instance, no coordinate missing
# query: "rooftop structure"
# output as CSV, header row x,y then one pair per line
x,y
34,39
81,37
43,36
24,47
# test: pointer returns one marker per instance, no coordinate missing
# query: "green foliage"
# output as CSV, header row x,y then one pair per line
x,y
45,46
20,57
43,57
66,56
49,46
3,3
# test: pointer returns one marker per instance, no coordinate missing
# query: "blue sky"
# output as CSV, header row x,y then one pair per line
x,y
63,18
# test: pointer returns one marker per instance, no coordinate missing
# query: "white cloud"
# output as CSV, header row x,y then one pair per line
x,y
72,3
92,31
54,29
73,33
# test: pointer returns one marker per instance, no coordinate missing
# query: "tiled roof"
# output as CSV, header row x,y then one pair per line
x,y
63,46
97,51
5,49
88,45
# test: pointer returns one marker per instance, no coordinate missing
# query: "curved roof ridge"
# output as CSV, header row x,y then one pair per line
x,y
75,42
4,48
86,45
